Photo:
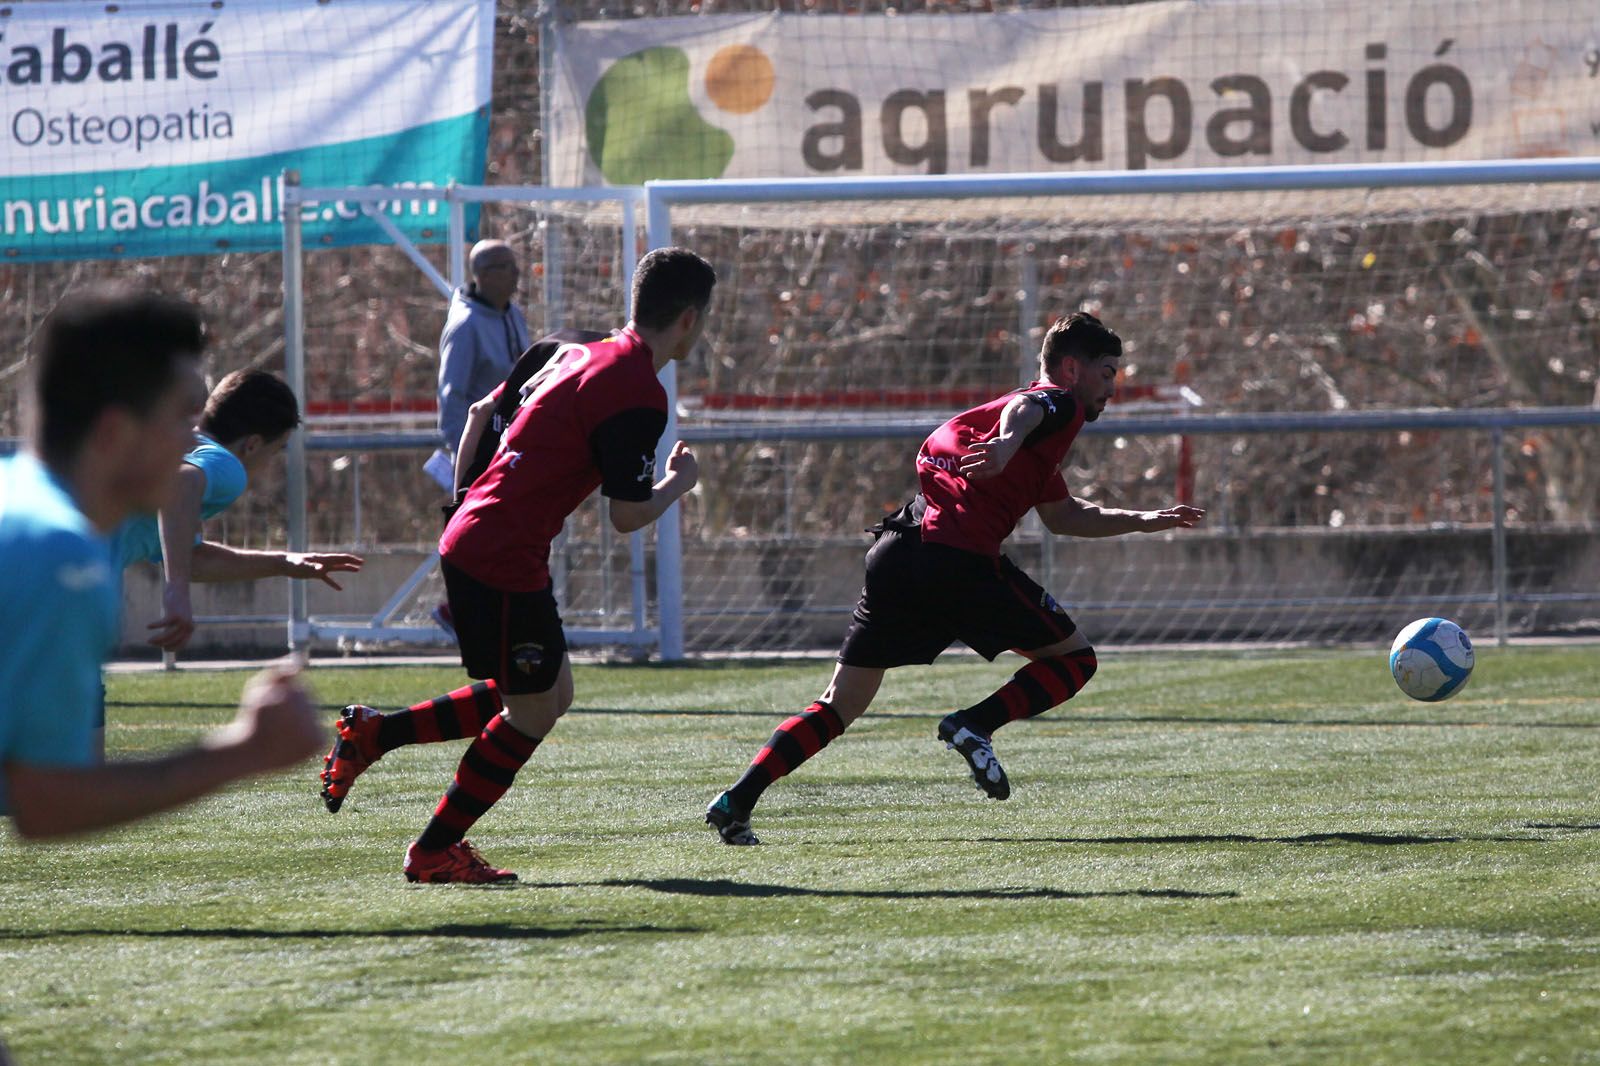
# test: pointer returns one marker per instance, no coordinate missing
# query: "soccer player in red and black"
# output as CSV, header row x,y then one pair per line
x,y
936,573
591,417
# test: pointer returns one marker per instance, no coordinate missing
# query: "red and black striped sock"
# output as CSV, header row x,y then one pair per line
x,y
795,741
462,713
486,771
1037,687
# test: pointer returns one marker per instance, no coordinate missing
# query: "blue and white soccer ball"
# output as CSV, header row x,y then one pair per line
x,y
1431,659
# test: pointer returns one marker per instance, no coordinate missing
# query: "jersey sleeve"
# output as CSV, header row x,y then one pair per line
x,y
137,540
224,473
1059,408
624,448
1055,489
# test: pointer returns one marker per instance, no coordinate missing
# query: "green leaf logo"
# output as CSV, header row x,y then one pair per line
x,y
642,124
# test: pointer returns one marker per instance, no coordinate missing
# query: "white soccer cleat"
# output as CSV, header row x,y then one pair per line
x,y
987,773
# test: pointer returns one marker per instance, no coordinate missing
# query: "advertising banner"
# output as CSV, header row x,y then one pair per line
x,y
1166,84
148,129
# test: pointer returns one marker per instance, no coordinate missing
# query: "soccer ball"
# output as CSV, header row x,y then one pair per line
x,y
1431,659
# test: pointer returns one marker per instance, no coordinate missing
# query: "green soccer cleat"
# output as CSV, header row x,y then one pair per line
x,y
731,824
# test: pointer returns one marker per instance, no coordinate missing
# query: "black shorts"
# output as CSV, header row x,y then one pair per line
x,y
921,598
511,638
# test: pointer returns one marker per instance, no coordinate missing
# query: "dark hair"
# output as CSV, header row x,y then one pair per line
x,y
667,282
1082,335
246,402
109,347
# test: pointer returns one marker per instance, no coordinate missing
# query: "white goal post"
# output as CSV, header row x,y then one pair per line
x,y
688,206
376,203
702,200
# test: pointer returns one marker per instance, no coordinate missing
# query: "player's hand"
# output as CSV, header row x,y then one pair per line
x,y
277,724
988,458
306,566
683,466
1180,517
176,625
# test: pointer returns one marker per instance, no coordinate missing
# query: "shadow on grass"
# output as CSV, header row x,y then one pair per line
x,y
932,716
1066,717
475,931
689,886
1589,827
1380,839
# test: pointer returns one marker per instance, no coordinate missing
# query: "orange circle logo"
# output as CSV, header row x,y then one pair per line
x,y
739,78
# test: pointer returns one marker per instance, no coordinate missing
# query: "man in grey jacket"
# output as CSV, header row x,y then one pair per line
x,y
483,336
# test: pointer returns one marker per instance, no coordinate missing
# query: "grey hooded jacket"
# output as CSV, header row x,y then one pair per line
x,y
476,351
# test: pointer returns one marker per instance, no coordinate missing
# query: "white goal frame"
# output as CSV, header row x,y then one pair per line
x,y
296,198
658,199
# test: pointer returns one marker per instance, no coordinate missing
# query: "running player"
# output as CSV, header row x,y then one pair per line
x,y
936,573
591,417
112,411
489,416
245,425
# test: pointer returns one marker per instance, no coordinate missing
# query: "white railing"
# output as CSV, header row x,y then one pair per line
x,y
658,199
302,627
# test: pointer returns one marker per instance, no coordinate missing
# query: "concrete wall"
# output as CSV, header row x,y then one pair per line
x,y
363,594
1347,585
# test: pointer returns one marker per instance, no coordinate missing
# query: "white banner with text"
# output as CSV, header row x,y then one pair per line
x,y
1166,84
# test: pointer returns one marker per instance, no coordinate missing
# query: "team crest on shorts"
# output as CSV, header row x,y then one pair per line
x,y
1048,602
528,657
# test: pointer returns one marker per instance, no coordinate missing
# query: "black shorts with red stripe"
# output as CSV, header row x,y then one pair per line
x,y
920,598
514,639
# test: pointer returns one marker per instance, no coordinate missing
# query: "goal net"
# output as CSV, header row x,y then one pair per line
x,y
1264,331
373,411
843,332
846,330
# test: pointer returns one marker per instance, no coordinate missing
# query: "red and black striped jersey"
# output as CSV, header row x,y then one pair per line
x,y
977,516
590,418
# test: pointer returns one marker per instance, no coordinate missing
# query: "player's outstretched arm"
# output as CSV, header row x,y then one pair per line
x,y
219,562
988,458
479,415
683,472
276,727
1075,518
178,523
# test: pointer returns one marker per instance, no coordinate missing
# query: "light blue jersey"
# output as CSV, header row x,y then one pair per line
x,y
139,538
59,625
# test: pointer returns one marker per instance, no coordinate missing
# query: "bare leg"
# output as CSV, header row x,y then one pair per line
x,y
851,690
534,714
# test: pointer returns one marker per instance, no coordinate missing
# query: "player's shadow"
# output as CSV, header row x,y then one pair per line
x,y
1066,718
932,716
722,887
1376,839
461,931
1578,827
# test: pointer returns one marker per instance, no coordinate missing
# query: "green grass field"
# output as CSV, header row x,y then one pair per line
x,y
1226,858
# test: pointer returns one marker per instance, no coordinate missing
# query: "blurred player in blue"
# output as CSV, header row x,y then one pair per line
x,y
243,429
112,412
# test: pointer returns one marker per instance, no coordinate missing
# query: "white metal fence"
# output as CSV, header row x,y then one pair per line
x,y
663,622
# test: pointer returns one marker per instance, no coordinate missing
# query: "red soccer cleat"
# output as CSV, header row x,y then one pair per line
x,y
354,749
459,864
